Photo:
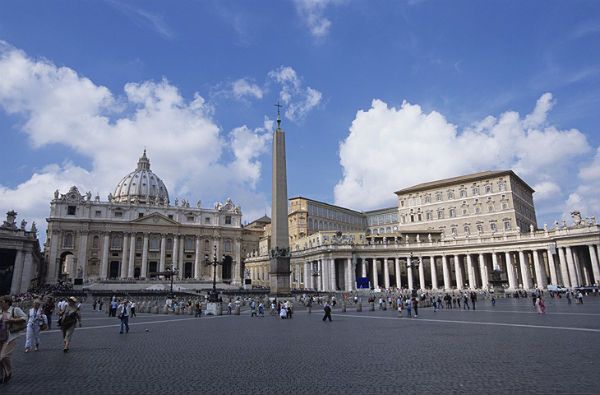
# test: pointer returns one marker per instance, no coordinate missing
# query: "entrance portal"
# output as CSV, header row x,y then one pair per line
x,y
113,271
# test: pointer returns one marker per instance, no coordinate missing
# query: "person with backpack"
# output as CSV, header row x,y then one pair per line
x,y
327,310
12,323
69,319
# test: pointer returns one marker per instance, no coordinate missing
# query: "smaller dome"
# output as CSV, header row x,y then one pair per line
x,y
141,186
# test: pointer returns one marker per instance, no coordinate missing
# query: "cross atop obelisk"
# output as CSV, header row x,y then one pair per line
x,y
280,256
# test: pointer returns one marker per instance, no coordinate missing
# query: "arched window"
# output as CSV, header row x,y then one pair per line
x,y
227,245
189,244
116,242
68,241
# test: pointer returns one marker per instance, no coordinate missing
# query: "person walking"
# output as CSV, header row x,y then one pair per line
x,y
473,299
416,306
37,319
229,307
409,305
70,317
327,310
48,310
540,306
124,312
132,308
253,308
12,319
579,297
261,310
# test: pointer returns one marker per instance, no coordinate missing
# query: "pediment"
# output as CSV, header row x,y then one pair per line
x,y
155,219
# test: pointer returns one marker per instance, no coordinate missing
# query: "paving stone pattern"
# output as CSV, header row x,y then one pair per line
x,y
359,352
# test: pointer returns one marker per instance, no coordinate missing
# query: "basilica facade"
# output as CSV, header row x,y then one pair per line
x,y
137,234
475,231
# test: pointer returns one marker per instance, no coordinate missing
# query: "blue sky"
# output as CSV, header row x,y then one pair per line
x,y
377,95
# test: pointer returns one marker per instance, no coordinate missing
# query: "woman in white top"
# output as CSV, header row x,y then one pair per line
x,y
34,324
11,317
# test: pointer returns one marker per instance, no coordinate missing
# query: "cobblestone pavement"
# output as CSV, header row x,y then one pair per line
x,y
503,349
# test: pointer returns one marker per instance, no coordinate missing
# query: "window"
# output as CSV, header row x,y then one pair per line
x,y
98,213
463,193
71,210
467,229
169,245
488,189
170,216
207,220
475,190
504,206
501,186
116,242
227,245
189,244
506,225
479,228
154,244
450,194
429,216
454,231
440,214
118,214
95,242
427,198
490,208
419,217
465,211
190,218
477,210
138,243
493,227
206,245
140,215
438,196
68,241
452,212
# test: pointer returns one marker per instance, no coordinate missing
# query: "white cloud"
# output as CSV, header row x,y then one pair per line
x,y
299,101
546,190
586,198
184,144
312,13
243,88
145,19
391,148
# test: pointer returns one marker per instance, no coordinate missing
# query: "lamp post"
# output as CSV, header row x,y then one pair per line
x,y
170,273
213,296
413,264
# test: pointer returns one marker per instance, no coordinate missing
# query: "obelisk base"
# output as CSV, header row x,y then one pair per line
x,y
280,276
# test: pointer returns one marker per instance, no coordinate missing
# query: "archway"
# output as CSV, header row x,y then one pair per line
x,y
67,265
113,271
152,269
136,272
188,273
7,265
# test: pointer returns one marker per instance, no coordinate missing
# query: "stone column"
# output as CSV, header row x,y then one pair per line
x,y
82,254
386,273
27,272
320,279
237,266
434,283
512,281
15,284
581,280
197,260
125,255
495,264
409,273
540,273
470,272
307,284
595,263
571,267
182,255
458,271
163,252
484,272
375,279
51,275
333,277
363,263
104,264
525,275
397,268
552,266
348,279
131,267
144,273
175,251
446,272
564,272
421,273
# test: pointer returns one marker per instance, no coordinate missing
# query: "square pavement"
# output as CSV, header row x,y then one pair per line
x,y
503,349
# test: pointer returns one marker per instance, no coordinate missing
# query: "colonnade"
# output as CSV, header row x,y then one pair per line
x,y
525,268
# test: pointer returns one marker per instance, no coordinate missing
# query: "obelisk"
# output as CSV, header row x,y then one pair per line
x,y
280,251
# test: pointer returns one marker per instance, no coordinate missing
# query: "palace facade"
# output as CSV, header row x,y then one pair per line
x,y
470,232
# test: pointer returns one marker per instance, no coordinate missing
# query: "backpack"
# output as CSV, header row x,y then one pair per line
x,y
69,319
327,309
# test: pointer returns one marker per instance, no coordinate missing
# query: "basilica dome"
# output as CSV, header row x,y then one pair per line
x,y
141,186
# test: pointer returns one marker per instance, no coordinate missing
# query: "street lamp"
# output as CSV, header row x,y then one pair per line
x,y
169,273
213,296
413,264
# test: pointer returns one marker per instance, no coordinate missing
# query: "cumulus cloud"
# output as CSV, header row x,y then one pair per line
x,y
586,197
391,148
312,13
546,190
299,101
243,88
185,145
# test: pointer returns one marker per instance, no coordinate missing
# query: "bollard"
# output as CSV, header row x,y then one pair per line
x,y
359,307
372,306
